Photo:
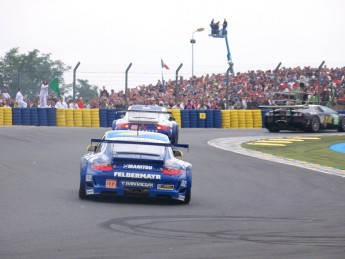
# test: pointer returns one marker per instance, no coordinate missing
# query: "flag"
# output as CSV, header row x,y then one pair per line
x,y
164,65
54,86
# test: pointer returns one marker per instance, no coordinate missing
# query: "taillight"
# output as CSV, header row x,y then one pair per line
x,y
172,171
122,126
163,127
102,166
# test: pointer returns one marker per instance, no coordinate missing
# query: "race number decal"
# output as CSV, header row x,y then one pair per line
x,y
110,183
328,120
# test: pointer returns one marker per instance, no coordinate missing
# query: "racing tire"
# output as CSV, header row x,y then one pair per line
x,y
175,139
314,124
188,197
342,125
273,129
82,191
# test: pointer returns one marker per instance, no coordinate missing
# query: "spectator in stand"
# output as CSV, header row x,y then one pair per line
x,y
20,99
104,92
112,94
189,105
87,104
80,103
5,94
72,104
61,104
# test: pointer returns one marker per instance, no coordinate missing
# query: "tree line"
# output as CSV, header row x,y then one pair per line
x,y
29,70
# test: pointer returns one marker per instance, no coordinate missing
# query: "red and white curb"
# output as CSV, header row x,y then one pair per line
x,y
233,144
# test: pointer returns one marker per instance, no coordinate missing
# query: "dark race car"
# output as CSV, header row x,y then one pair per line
x,y
309,118
149,118
135,163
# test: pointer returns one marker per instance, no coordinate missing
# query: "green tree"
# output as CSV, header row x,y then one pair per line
x,y
85,90
29,70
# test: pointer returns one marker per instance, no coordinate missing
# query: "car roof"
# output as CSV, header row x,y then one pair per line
x,y
147,108
136,134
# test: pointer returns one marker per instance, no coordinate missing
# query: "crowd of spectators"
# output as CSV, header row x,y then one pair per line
x,y
247,90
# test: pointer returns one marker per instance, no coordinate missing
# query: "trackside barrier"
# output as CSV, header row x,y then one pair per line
x,y
104,117
217,119
42,116
103,121
86,115
185,123
34,116
95,118
1,116
17,116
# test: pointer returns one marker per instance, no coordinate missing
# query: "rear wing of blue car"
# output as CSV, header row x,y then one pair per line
x,y
140,143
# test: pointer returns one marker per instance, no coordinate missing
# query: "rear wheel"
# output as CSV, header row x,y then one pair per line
x,y
175,139
82,192
314,124
342,125
188,197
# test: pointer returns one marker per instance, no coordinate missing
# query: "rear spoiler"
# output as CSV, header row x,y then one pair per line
x,y
94,140
291,107
148,111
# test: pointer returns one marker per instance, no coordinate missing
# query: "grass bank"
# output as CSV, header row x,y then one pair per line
x,y
314,151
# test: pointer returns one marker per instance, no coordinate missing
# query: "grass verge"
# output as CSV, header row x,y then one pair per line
x,y
312,151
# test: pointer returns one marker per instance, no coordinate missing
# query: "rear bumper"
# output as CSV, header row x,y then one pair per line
x,y
137,192
167,187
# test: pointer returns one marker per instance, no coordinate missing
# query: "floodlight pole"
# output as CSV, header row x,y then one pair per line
x,y
74,78
176,86
126,86
276,75
318,82
193,41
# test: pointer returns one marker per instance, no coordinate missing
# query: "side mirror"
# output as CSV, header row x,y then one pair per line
x,y
178,153
91,148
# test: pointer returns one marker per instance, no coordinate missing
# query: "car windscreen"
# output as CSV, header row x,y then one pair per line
x,y
137,149
143,116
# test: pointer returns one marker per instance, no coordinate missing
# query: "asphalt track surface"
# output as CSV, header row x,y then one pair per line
x,y
241,207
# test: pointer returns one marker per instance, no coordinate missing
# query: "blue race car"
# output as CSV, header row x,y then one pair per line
x,y
135,163
148,118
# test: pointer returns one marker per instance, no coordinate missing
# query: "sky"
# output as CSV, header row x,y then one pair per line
x,y
105,36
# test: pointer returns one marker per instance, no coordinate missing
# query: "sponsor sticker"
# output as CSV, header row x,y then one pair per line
x,y
110,183
140,167
165,186
181,197
88,178
90,191
136,184
183,183
137,175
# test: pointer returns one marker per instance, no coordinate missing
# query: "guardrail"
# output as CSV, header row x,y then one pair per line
x,y
242,119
